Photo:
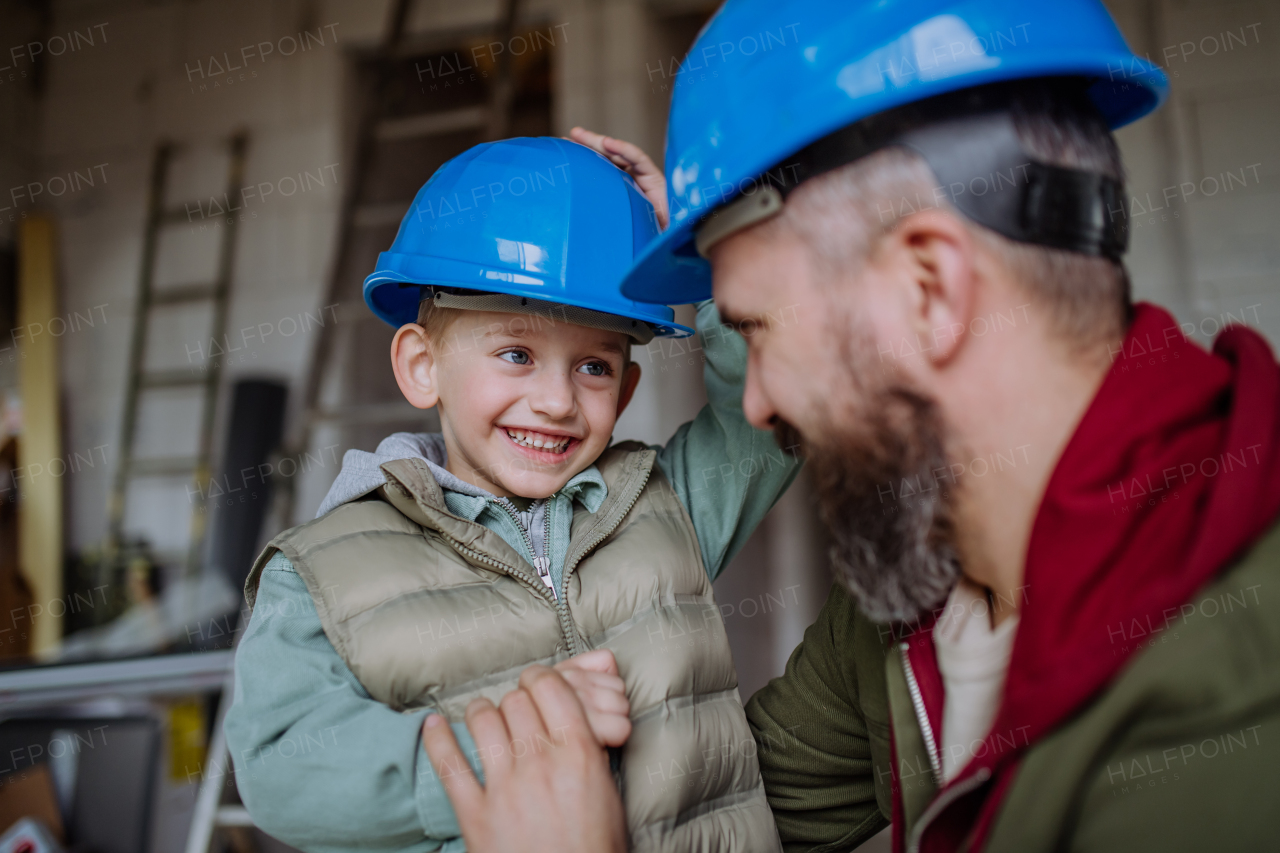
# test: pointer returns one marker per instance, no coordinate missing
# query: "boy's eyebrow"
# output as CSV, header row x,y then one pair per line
x,y
507,330
504,331
613,346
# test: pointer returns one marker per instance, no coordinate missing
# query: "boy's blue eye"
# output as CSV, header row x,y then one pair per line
x,y
595,368
515,356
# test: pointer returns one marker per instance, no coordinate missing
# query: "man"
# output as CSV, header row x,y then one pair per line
x,y
1053,516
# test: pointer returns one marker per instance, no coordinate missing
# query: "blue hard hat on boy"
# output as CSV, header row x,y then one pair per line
x,y
767,79
538,218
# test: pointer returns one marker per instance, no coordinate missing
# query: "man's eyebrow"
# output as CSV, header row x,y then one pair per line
x,y
614,346
728,317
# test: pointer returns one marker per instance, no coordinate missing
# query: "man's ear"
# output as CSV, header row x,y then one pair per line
x,y
630,379
933,252
415,366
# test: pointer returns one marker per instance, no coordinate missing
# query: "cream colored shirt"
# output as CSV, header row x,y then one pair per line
x,y
973,659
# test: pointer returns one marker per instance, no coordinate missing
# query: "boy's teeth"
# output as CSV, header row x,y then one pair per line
x,y
519,437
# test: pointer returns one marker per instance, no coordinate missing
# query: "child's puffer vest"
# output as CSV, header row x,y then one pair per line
x,y
431,610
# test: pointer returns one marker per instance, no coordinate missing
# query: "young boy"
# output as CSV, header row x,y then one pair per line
x,y
440,566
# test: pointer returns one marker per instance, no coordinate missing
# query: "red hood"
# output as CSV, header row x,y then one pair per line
x,y
1173,472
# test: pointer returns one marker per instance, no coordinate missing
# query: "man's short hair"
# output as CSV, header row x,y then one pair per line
x,y
841,213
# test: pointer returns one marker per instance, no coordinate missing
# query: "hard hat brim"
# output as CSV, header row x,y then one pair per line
x,y
393,296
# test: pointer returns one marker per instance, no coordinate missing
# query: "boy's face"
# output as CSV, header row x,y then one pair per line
x,y
525,403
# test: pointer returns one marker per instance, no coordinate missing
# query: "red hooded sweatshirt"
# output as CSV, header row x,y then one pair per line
x,y
1172,474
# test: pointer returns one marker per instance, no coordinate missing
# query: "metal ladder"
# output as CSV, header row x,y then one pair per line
x,y
140,380
211,813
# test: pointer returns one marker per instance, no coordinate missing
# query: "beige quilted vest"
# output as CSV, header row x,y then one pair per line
x,y
431,610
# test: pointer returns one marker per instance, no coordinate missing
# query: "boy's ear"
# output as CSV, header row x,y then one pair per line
x,y
415,366
630,379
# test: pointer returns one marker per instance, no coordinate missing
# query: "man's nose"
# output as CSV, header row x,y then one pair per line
x,y
755,403
553,395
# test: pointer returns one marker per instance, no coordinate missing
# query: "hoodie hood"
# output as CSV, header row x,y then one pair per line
x,y
1172,474
361,471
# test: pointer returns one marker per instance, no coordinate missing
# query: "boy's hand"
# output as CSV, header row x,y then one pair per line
x,y
594,678
630,159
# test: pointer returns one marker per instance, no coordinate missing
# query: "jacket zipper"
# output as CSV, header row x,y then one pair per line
x,y
950,795
922,714
939,805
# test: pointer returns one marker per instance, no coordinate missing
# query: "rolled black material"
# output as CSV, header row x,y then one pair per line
x,y
241,494
971,145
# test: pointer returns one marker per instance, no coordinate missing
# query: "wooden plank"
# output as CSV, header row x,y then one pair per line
x,y
40,447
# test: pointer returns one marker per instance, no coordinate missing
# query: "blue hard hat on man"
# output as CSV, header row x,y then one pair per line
x,y
526,224
799,78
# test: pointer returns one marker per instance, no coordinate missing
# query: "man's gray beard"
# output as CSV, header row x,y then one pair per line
x,y
896,555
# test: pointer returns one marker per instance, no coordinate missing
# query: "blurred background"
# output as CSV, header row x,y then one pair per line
x,y
190,196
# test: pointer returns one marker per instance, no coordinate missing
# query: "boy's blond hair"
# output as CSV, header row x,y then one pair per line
x,y
436,319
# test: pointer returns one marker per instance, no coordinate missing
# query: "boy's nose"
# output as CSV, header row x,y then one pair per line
x,y
552,396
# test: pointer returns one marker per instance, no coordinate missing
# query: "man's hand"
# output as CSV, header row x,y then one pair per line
x,y
632,160
547,781
594,678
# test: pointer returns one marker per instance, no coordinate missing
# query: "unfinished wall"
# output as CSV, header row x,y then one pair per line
x,y
192,73
1202,186
1204,180
85,95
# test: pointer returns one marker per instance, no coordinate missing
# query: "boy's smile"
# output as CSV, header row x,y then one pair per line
x,y
543,446
525,402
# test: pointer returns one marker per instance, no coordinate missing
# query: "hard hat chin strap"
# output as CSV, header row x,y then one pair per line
x,y
981,170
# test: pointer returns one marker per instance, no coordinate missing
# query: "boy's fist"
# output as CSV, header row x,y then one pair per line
x,y
594,678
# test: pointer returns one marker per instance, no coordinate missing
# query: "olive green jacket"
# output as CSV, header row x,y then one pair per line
x,y
1180,752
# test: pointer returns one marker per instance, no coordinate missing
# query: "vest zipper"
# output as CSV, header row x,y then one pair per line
x,y
530,581
541,564
566,619
546,547
557,600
